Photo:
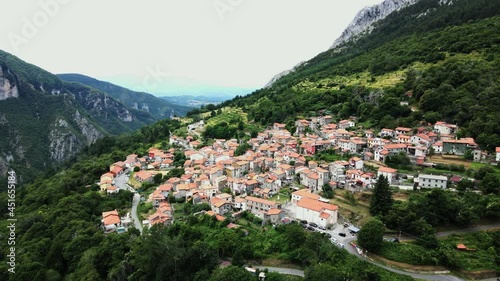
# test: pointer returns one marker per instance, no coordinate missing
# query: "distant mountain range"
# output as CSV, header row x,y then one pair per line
x,y
196,101
159,108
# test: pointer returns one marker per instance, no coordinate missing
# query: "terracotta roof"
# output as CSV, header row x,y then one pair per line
x,y
313,176
469,141
316,205
395,146
306,193
260,200
110,217
387,170
324,215
143,175
165,187
274,212
108,175
217,202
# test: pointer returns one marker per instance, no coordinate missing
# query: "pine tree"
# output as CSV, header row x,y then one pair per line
x,y
381,202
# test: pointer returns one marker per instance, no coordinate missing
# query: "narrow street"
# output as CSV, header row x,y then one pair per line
x,y
135,219
346,241
288,271
121,183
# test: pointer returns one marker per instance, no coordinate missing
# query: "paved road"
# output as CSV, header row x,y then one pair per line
x,y
135,219
346,242
468,230
121,183
289,271
438,277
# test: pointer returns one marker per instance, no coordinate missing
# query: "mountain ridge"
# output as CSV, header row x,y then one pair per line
x,y
45,121
367,17
362,22
411,56
160,109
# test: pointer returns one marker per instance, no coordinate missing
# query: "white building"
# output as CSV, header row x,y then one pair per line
x,y
432,181
438,147
321,213
445,129
389,173
497,150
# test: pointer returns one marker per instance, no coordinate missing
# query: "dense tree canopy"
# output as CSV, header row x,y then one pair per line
x,y
371,235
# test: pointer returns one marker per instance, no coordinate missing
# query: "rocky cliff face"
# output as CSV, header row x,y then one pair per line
x,y
88,130
44,120
7,89
63,143
362,23
364,20
284,73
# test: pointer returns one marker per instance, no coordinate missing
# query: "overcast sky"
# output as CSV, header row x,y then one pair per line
x,y
173,46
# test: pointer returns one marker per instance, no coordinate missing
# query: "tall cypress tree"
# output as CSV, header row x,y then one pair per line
x,y
381,202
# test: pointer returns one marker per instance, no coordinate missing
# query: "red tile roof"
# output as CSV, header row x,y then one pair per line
x,y
110,217
387,170
316,205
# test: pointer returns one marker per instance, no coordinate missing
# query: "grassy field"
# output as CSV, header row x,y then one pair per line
x,y
178,212
480,256
358,213
449,159
368,80
230,115
144,210
284,196
133,182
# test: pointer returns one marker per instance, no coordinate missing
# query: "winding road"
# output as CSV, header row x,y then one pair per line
x,y
346,241
288,271
121,183
440,277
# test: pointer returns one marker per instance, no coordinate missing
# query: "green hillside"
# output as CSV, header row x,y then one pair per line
x,y
158,107
50,120
446,56
59,235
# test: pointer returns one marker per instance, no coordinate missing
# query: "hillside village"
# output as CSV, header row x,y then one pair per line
x,y
276,158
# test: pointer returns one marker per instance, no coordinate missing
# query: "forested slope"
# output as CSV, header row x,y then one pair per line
x,y
440,56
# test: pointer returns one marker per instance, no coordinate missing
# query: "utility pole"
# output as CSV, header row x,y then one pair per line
x,y
400,235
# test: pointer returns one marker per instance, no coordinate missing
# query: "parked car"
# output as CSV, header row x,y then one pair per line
x,y
303,221
321,227
311,228
328,235
342,234
313,224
